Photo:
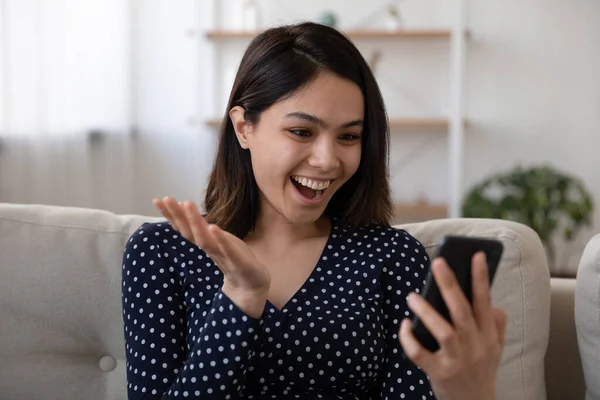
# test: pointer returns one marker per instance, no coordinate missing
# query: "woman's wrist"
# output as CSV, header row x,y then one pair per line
x,y
485,394
251,303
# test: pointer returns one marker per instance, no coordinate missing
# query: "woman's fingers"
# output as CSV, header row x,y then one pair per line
x,y
249,274
230,245
500,320
412,347
207,237
203,236
179,217
461,312
441,329
482,299
160,205
223,245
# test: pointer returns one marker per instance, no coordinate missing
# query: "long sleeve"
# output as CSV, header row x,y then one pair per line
x,y
406,272
178,344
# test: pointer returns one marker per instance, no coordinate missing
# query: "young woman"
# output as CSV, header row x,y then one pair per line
x,y
293,284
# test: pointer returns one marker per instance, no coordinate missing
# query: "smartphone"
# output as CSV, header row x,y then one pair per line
x,y
458,251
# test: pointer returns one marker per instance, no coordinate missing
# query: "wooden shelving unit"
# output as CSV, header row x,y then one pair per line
x,y
355,34
454,37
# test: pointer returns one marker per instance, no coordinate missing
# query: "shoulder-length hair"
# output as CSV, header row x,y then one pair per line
x,y
277,63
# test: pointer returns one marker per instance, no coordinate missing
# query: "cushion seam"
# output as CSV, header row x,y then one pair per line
x,y
52,225
524,333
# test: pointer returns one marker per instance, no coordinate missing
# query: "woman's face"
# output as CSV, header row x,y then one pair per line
x,y
304,148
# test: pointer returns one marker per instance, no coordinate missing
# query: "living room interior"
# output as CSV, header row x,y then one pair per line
x,y
493,110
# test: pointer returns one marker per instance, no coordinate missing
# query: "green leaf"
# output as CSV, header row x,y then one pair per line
x,y
539,196
568,233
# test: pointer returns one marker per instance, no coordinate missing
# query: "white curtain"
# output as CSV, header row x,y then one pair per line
x,y
66,105
66,66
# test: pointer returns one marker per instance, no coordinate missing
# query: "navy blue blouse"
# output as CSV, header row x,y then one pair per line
x,y
336,338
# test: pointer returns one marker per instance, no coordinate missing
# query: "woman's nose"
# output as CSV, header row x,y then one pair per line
x,y
324,156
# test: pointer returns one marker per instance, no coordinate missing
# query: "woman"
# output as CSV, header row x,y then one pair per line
x,y
294,285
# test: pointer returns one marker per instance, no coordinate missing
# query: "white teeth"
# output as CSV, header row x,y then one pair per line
x,y
315,185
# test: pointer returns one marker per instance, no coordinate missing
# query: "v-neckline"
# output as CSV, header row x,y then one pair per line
x,y
271,310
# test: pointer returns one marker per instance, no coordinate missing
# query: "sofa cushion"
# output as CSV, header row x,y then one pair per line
x,y
60,302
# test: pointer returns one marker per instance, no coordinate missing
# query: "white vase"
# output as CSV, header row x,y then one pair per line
x,y
392,22
251,15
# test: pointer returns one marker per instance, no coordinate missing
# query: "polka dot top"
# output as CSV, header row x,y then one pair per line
x,y
336,338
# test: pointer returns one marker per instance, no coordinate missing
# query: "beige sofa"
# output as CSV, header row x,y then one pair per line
x,y
60,306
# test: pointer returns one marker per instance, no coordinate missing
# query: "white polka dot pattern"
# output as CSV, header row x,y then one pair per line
x,y
337,337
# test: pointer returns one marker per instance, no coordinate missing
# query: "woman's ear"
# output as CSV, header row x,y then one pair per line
x,y
240,126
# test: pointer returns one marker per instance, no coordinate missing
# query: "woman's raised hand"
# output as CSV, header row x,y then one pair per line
x,y
246,280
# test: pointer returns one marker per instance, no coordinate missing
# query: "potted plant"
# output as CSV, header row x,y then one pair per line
x,y
545,199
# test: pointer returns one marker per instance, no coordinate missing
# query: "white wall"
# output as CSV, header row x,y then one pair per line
x,y
532,95
533,92
174,150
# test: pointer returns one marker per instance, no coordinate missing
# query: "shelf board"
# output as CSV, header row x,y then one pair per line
x,y
354,34
418,211
214,122
396,124
419,124
400,34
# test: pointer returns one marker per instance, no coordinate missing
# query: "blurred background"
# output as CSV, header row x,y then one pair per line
x,y
494,105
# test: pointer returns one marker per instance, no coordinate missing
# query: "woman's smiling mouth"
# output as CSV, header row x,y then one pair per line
x,y
311,189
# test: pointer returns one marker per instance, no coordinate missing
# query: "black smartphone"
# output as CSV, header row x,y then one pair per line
x,y
458,251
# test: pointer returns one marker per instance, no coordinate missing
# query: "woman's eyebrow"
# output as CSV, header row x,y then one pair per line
x,y
318,121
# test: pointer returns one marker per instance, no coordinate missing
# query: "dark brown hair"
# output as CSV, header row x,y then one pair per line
x,y
276,64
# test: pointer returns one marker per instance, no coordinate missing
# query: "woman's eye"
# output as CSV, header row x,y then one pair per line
x,y
349,137
300,132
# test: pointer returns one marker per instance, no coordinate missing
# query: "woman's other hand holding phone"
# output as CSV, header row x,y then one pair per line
x,y
465,366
